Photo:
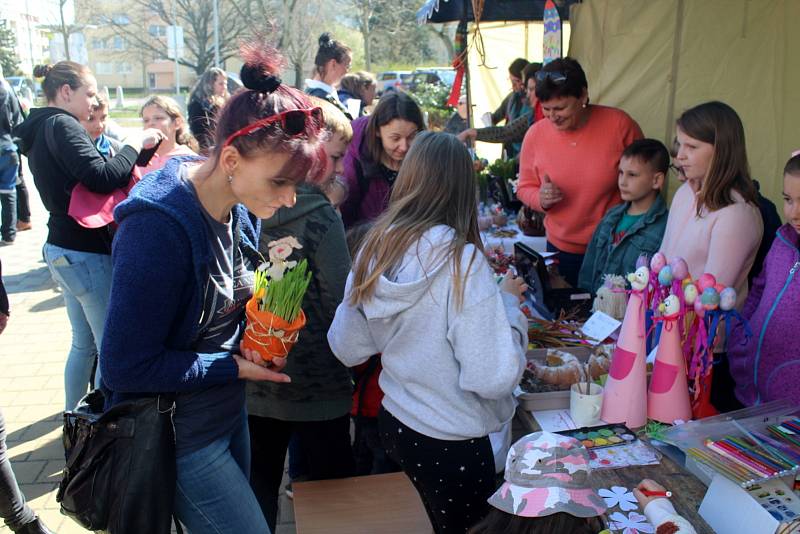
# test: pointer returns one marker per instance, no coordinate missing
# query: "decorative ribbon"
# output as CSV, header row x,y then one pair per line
x,y
730,317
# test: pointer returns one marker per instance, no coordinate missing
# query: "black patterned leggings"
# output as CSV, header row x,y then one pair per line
x,y
453,478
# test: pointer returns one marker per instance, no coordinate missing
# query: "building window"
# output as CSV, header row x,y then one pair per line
x,y
119,43
120,19
124,68
157,31
98,43
102,67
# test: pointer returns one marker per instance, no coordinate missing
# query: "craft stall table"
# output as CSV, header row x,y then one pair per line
x,y
388,504
687,490
539,244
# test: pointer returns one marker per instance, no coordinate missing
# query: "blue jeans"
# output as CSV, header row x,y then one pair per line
x,y
85,281
213,492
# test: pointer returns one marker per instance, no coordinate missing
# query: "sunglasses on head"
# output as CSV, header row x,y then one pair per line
x,y
293,122
555,77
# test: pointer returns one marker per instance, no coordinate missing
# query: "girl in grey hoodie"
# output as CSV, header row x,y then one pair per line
x,y
452,341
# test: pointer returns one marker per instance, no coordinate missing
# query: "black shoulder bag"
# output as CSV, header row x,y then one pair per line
x,y
120,472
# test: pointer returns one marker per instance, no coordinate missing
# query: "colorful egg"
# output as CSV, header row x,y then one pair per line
x,y
680,270
690,294
658,262
727,299
705,281
719,287
665,276
710,298
698,308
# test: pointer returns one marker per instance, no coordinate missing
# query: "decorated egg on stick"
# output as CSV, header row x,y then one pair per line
x,y
710,298
658,262
727,299
690,294
706,280
680,270
665,276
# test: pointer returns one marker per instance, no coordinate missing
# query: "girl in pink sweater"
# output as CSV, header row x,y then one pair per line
x,y
714,222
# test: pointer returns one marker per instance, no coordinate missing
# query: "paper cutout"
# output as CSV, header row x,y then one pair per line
x,y
637,453
632,523
619,496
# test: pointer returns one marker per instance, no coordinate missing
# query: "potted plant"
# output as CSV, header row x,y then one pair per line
x,y
274,316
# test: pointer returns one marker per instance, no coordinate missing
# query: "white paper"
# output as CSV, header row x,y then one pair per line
x,y
554,420
651,358
600,326
728,508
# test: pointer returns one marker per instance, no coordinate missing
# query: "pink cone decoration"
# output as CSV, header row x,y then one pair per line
x,y
668,395
625,392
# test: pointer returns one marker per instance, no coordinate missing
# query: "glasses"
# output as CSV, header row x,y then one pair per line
x,y
293,122
555,77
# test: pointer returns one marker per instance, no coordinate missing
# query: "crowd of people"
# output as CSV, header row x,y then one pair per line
x,y
408,335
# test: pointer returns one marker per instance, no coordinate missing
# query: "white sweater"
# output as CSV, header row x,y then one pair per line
x,y
448,373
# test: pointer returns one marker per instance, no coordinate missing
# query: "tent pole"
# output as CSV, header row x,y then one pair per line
x,y
673,79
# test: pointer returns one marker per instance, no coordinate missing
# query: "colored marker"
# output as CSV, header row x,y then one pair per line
x,y
650,493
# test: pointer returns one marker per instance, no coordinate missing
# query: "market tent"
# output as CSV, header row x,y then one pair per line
x,y
502,43
655,59
437,11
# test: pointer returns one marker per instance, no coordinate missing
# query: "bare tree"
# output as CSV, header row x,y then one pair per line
x,y
365,12
196,18
63,29
294,31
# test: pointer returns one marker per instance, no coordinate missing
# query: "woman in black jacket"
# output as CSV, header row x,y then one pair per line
x,y
209,94
61,154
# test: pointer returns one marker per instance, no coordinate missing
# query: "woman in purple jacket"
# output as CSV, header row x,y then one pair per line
x,y
380,142
767,366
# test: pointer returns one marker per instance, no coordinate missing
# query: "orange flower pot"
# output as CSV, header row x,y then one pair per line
x,y
268,334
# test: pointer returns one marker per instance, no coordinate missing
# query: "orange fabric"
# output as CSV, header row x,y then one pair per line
x,y
583,163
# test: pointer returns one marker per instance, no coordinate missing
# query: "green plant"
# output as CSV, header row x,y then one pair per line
x,y
282,297
432,98
503,168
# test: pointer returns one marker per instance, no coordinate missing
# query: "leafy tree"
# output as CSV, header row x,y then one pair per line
x,y
8,57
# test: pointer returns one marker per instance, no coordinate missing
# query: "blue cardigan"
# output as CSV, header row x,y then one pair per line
x,y
160,257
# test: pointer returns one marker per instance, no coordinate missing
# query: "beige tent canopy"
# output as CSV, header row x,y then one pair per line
x,y
656,58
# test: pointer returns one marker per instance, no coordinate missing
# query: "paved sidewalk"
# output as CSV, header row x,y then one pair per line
x,y
33,350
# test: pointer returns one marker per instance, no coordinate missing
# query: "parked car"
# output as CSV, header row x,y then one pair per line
x,y
435,76
392,80
25,89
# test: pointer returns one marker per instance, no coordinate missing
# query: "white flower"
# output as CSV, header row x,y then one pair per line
x,y
633,523
619,496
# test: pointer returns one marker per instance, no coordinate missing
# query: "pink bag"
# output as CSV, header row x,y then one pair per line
x,y
95,210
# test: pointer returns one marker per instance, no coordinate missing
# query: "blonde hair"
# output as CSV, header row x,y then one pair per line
x,y
335,121
173,110
435,186
100,102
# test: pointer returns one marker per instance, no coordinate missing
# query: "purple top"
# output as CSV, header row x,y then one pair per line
x,y
767,367
362,206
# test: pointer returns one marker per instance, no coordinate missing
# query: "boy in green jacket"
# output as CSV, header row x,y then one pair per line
x,y
636,226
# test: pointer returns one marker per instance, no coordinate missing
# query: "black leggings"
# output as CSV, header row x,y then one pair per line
x,y
453,478
324,446
12,503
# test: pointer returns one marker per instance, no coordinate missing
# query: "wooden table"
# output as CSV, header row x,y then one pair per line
x,y
385,504
687,490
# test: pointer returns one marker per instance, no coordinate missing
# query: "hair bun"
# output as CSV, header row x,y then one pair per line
x,y
255,79
325,40
41,71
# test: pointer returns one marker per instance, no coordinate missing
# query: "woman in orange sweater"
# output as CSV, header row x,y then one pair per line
x,y
569,162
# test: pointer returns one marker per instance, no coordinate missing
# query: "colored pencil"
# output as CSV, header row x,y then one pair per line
x,y
728,469
764,459
742,457
784,446
788,462
739,459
